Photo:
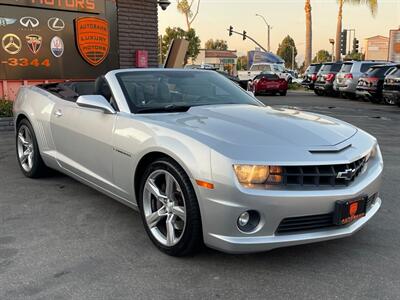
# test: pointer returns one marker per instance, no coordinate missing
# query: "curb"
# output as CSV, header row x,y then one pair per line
x,y
6,124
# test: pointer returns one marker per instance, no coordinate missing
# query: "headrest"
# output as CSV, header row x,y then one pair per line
x,y
101,87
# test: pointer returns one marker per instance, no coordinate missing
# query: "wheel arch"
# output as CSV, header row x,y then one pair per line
x,y
146,160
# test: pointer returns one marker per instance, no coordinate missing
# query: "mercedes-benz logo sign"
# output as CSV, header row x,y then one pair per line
x,y
11,43
29,22
56,24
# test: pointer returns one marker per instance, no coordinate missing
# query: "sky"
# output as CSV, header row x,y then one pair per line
x,y
286,17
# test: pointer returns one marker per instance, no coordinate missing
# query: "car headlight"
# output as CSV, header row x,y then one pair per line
x,y
258,174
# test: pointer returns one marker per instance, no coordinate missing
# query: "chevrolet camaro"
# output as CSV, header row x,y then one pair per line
x,y
202,160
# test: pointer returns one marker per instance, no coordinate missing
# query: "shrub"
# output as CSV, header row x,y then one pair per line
x,y
6,108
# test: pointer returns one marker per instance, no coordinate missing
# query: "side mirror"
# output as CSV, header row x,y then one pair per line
x,y
96,102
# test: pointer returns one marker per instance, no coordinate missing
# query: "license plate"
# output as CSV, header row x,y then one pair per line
x,y
350,210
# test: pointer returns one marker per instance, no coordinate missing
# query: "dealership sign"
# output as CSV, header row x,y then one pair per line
x,y
59,43
394,45
91,6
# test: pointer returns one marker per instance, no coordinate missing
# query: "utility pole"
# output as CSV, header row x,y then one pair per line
x,y
268,32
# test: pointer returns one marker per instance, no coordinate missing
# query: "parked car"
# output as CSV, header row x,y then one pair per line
x,y
325,78
258,68
202,160
370,85
391,87
268,83
347,79
310,76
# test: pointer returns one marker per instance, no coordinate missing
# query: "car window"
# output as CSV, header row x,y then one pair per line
x,y
326,68
269,76
378,71
336,67
346,68
366,66
157,89
396,73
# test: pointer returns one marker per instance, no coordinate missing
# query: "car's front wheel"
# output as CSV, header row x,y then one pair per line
x,y
28,154
169,208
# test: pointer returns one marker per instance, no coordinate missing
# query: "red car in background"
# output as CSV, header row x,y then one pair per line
x,y
268,83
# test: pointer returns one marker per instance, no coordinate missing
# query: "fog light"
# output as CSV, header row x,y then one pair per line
x,y
244,219
248,221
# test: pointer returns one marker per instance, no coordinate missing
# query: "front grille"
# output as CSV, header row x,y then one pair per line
x,y
290,225
324,175
306,223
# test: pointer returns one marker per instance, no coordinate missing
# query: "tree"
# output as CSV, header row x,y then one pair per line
x,y
308,52
285,51
373,6
354,56
185,7
242,63
322,56
216,44
179,33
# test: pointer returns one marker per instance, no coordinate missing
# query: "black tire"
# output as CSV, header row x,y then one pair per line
x,y
192,238
284,93
319,93
376,100
39,169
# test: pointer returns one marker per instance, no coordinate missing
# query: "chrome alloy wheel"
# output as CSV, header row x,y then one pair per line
x,y
164,207
25,148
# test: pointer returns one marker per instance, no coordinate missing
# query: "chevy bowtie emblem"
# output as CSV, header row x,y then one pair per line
x,y
348,174
29,22
34,42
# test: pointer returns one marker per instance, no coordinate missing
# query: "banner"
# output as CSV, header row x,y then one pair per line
x,y
394,45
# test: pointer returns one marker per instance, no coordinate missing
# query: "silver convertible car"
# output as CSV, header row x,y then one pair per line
x,y
202,160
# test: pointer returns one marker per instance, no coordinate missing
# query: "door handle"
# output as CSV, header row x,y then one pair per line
x,y
58,113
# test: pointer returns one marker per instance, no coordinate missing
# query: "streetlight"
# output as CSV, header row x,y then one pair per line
x,y
332,41
268,30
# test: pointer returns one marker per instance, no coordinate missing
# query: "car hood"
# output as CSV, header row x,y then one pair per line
x,y
248,125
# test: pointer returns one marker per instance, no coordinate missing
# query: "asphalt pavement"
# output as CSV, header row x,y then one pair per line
x,y
62,240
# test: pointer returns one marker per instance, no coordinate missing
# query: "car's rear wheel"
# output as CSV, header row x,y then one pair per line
x,y
28,154
169,208
319,93
389,100
376,100
284,93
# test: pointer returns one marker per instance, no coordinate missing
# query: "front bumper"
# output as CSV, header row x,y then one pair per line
x,y
221,208
248,244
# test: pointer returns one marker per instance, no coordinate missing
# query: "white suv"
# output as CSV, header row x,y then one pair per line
x,y
347,78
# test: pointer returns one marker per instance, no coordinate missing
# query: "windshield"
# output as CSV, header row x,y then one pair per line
x,y
147,91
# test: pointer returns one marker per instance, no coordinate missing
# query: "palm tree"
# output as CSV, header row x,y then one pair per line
x,y
185,8
308,53
373,6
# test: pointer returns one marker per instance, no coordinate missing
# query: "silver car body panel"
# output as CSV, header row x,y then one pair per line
x,y
103,151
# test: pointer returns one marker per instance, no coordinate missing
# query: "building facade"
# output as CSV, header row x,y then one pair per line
x,y
376,48
223,60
